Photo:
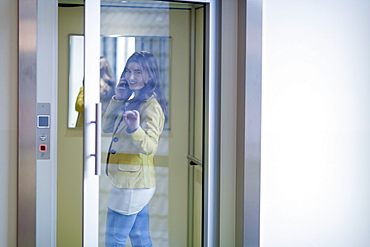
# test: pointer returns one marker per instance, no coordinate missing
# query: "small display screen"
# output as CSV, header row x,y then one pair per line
x,y
43,121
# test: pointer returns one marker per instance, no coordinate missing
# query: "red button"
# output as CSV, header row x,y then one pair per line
x,y
42,148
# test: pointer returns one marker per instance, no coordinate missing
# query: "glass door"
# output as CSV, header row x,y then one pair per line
x,y
143,126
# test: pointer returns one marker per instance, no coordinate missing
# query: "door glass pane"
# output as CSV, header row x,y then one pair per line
x,y
147,131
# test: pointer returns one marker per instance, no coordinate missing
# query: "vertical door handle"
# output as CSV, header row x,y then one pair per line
x,y
97,138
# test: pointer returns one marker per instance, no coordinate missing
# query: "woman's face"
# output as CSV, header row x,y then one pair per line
x,y
136,76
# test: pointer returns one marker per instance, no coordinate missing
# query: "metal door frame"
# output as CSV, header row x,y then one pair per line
x,y
26,208
248,153
37,82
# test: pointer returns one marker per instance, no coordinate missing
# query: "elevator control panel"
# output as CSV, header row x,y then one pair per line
x,y
43,131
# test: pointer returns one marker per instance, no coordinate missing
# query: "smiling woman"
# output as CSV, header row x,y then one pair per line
x,y
135,76
136,122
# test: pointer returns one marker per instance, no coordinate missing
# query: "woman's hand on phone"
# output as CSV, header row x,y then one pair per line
x,y
122,90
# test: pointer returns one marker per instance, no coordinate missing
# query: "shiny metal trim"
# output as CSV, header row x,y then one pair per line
x,y
97,139
26,207
249,122
211,174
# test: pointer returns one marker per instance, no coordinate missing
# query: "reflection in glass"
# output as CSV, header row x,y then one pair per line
x,y
138,26
117,50
135,116
125,29
111,67
107,86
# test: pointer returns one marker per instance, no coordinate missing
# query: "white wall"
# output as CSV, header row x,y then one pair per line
x,y
8,125
315,182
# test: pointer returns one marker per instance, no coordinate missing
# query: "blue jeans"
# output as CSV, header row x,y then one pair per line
x,y
120,226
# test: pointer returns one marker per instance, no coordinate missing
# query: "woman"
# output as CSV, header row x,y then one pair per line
x,y
135,116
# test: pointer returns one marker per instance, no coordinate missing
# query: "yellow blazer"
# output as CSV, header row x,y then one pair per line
x,y
79,107
131,155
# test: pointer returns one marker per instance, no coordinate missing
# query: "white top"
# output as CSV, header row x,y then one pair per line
x,y
129,201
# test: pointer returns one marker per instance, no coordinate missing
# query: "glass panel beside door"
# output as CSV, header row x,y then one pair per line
x,y
148,52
